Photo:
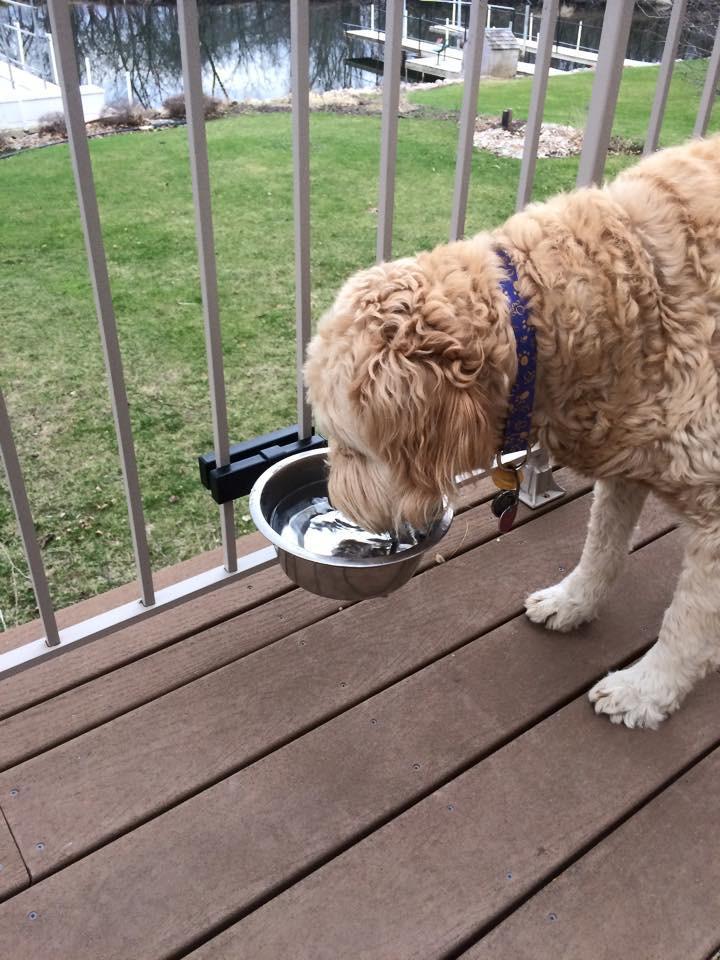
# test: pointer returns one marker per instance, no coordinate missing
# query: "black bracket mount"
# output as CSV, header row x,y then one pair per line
x,y
251,458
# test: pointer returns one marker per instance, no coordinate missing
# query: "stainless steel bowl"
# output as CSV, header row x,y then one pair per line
x,y
322,551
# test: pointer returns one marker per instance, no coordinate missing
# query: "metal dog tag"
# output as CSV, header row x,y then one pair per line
x,y
507,518
506,478
505,503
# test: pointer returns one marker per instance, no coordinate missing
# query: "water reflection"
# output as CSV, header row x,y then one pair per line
x,y
245,49
133,51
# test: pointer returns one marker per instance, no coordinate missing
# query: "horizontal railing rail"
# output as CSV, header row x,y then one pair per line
x,y
612,48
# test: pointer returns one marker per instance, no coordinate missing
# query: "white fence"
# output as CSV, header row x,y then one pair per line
x,y
613,44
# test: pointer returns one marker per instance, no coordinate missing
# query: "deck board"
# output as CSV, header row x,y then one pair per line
x,y
671,850
269,776
46,680
301,803
114,777
436,875
88,705
13,872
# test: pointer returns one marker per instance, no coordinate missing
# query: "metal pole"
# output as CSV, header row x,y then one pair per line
x,y
25,523
300,65
388,148
472,55
537,101
611,56
123,616
662,89
85,187
199,168
708,95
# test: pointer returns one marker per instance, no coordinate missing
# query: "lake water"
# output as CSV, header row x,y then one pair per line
x,y
132,50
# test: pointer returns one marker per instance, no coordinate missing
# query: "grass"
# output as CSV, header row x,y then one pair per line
x,y
51,366
568,100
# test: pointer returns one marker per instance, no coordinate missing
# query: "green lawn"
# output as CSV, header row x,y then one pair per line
x,y
50,362
568,100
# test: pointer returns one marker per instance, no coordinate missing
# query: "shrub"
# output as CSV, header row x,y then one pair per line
x,y
7,141
53,123
175,107
123,114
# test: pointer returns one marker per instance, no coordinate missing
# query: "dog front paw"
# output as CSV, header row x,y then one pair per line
x,y
562,607
636,696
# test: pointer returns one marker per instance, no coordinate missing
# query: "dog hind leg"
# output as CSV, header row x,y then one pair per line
x,y
615,511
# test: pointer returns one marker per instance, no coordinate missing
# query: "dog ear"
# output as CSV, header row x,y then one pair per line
x,y
419,386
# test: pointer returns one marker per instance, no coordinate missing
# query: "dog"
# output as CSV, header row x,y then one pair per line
x,y
410,372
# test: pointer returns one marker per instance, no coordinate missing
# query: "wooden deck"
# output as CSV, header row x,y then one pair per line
x,y
261,775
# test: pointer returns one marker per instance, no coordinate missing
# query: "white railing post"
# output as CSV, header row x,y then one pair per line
x,y
53,63
579,35
372,16
537,102
472,56
662,89
606,85
388,146
26,526
199,168
707,99
300,69
532,19
88,72
526,25
63,43
21,44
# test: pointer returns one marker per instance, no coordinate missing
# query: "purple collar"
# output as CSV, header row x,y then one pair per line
x,y
522,395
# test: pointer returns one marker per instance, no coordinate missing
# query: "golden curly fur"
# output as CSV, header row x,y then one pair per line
x,y
410,371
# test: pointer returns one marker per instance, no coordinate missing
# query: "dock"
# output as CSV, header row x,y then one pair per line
x,y
444,61
562,51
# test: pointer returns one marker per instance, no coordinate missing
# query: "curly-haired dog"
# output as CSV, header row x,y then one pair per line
x,y
411,368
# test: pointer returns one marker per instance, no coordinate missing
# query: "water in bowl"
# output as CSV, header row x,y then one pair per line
x,y
306,518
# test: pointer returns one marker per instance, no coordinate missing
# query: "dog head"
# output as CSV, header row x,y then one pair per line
x,y
408,376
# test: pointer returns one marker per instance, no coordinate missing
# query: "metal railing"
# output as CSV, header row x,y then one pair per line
x,y
14,36
604,96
